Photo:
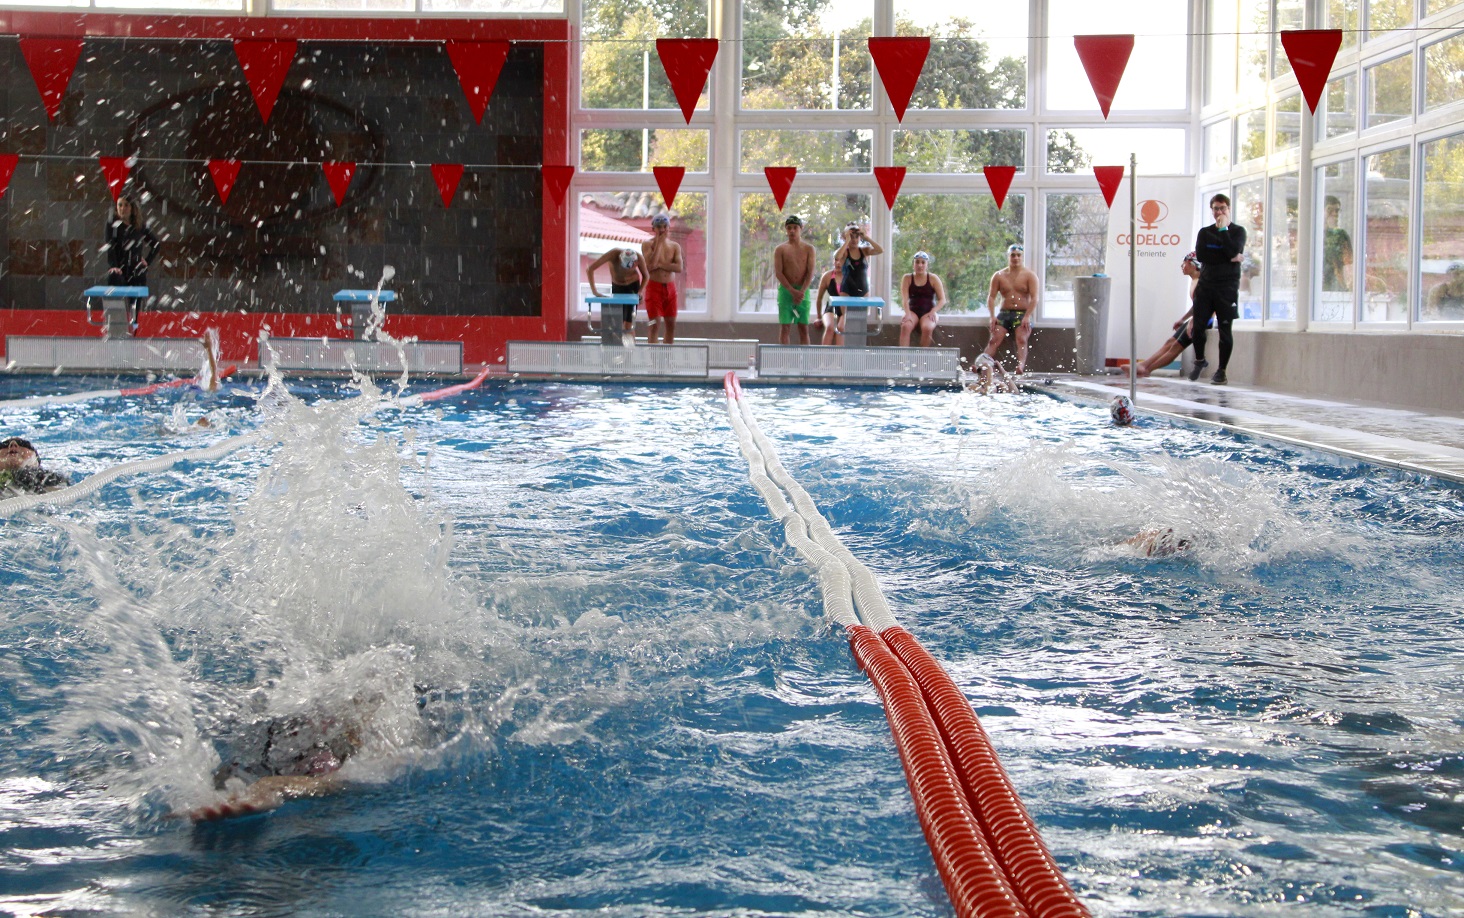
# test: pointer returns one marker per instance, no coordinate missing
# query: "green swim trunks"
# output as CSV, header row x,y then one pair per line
x,y
789,312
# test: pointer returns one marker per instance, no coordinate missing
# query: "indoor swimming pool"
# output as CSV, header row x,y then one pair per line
x,y
599,681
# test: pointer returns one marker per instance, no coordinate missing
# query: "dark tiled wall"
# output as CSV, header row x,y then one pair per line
x,y
280,244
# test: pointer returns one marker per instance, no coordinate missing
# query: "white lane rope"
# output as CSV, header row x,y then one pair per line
x,y
840,572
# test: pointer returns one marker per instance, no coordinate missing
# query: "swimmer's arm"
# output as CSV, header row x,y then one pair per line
x,y
905,292
674,264
810,265
1036,293
874,247
268,793
594,266
940,297
779,270
991,299
642,270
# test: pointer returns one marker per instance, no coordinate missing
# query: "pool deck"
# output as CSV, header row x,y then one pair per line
x,y
1394,437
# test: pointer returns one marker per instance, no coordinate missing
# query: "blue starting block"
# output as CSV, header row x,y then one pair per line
x,y
856,317
361,301
615,310
119,309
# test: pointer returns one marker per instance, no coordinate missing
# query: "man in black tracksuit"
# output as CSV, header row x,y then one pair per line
x,y
1220,249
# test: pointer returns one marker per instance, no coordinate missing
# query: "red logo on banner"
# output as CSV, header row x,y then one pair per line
x,y
899,61
890,179
1312,53
447,176
556,181
265,64
339,177
780,180
51,65
687,62
999,179
8,162
1151,213
1104,57
478,64
225,172
1108,179
116,169
669,179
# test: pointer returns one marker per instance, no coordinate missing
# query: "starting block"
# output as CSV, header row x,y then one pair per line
x,y
361,301
119,309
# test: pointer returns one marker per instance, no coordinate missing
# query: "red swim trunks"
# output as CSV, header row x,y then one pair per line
x,y
660,300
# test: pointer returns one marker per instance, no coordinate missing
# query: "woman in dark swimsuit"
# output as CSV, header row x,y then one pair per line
x,y
923,296
832,316
852,259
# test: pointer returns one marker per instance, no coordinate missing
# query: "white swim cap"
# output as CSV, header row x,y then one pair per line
x,y
627,258
1121,409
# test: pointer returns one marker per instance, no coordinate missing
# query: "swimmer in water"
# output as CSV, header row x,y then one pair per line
x,y
20,470
1159,543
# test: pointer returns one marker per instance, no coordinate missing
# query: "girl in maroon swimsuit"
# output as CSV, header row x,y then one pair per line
x,y
923,295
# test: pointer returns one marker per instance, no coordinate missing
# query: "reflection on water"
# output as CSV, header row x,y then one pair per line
x,y
595,678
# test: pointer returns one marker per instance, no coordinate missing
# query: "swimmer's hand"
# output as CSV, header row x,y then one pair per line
x,y
266,794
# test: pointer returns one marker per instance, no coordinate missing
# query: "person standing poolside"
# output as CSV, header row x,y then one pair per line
x,y
830,315
922,294
793,265
1220,249
852,258
663,261
1016,285
21,472
130,246
627,275
1175,344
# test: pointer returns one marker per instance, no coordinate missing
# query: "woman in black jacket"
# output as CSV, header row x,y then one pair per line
x,y
130,246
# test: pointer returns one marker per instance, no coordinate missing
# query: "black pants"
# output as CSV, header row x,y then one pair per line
x,y
1220,304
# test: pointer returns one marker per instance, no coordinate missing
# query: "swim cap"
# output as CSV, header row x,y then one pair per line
x,y
1121,409
627,258
660,220
1192,258
17,441
793,220
921,254
1015,247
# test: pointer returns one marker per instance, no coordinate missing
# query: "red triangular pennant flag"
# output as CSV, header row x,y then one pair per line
x,y
478,64
1104,57
687,62
1312,52
265,65
116,169
999,179
339,177
890,179
669,179
51,64
447,176
224,172
899,61
8,162
1108,179
780,180
556,181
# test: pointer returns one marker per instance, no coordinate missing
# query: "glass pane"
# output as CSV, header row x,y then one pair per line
x,y
1390,91
1220,51
966,237
1282,243
1337,188
1288,17
810,151
960,152
1338,108
1074,150
1385,252
1077,245
619,67
1288,123
1384,16
639,150
1249,210
762,231
1217,146
974,62
1155,76
622,219
1443,232
234,5
1438,6
1443,72
1251,135
493,6
1255,42
1342,14
806,55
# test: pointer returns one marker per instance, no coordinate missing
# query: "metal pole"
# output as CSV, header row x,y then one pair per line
x,y
1133,278
645,106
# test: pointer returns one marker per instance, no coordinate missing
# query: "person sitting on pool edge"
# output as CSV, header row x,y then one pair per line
x,y
1175,344
20,469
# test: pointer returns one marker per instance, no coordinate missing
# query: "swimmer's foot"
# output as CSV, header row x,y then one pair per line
x,y
1197,369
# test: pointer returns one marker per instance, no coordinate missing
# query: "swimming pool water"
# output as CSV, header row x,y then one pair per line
x,y
609,688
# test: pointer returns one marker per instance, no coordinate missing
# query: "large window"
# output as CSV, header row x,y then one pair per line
x,y
1442,265
1385,258
1248,208
1076,246
966,237
808,55
622,220
619,67
1390,91
1157,72
823,216
1335,266
960,152
1443,72
1338,108
1281,243
976,61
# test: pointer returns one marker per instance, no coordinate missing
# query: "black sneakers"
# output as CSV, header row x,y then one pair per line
x,y
1219,378
1197,369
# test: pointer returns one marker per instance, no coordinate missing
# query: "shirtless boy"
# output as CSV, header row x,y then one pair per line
x,y
1017,287
794,268
628,274
663,260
